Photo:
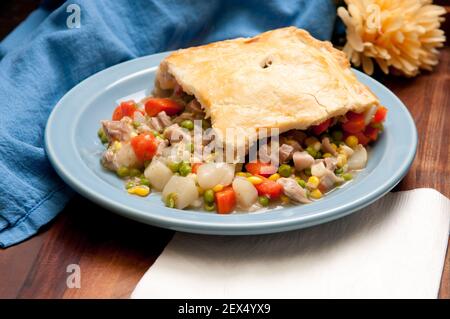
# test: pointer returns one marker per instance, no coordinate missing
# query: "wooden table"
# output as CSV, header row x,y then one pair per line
x,y
113,252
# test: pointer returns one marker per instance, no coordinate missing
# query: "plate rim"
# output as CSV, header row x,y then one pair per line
x,y
225,228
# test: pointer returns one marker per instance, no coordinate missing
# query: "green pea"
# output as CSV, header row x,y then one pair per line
x,y
209,206
100,132
263,200
136,124
378,126
170,200
339,171
129,185
337,135
134,172
285,170
347,176
174,166
208,196
187,124
185,169
102,136
156,134
301,182
307,171
123,171
311,151
145,181
318,155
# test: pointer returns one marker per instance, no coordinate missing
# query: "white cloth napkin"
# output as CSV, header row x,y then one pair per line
x,y
394,248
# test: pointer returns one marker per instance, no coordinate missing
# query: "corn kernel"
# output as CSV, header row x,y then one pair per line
x,y
217,188
116,146
341,160
326,155
140,190
351,141
200,190
284,199
300,182
316,194
334,147
274,177
317,146
241,174
255,180
313,182
311,140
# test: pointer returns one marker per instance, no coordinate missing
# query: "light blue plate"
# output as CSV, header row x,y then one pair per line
x,y
74,150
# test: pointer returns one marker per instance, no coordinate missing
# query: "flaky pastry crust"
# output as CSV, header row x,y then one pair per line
x,y
283,79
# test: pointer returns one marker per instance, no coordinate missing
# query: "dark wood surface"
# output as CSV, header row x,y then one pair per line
x,y
113,252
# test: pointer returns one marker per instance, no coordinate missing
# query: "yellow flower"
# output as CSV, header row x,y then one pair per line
x,y
403,34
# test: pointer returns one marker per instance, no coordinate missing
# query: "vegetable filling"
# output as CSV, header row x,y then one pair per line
x,y
150,145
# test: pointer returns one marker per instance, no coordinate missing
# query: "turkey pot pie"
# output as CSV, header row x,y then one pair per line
x,y
282,79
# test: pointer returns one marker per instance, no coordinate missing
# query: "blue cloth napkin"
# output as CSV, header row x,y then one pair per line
x,y
52,58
